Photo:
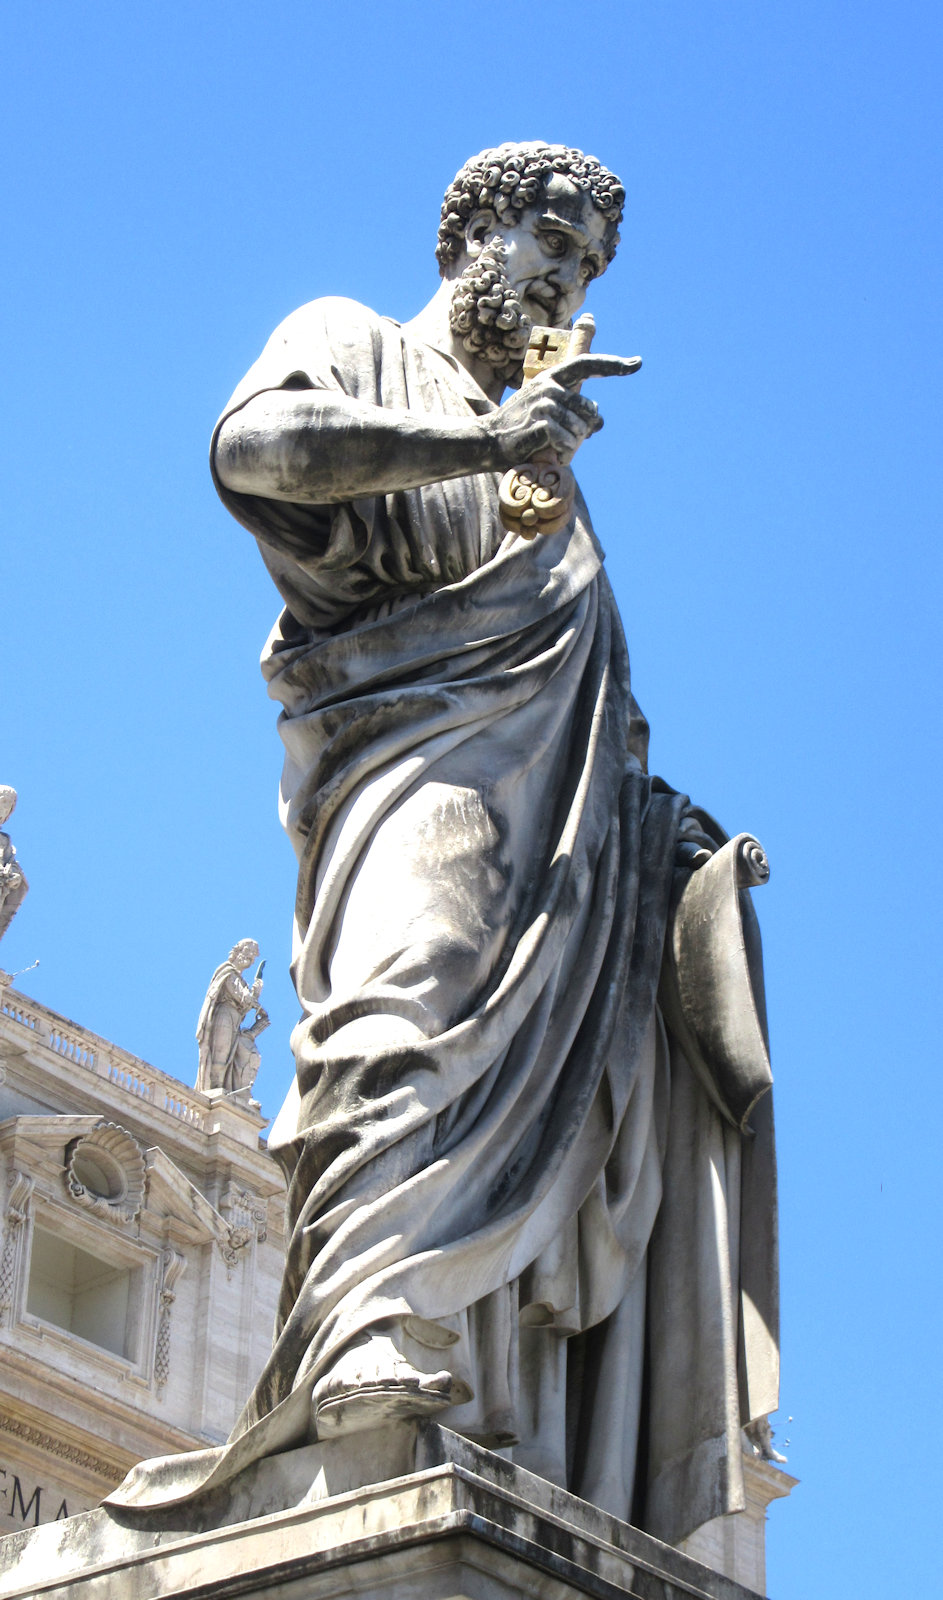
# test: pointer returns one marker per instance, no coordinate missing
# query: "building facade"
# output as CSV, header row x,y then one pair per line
x,y
141,1252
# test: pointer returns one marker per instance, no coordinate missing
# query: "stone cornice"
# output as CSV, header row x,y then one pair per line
x,y
12,1427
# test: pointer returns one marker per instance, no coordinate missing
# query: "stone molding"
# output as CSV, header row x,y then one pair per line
x,y
449,1520
190,1218
43,1151
100,1414
16,1212
60,1448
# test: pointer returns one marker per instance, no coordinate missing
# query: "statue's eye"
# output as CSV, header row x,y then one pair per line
x,y
556,243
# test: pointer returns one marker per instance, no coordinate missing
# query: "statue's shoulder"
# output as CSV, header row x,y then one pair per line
x,y
328,343
330,316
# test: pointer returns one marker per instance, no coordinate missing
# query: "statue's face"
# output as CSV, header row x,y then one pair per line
x,y
554,253
534,269
244,954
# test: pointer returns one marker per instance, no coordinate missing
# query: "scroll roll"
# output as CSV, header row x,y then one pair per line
x,y
712,991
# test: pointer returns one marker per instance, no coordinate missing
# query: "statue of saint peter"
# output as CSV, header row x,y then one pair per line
x,y
522,1199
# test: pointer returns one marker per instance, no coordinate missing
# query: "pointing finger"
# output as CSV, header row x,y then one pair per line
x,y
578,368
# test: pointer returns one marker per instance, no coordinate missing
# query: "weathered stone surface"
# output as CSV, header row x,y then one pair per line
x,y
448,1520
228,1052
736,1545
141,1246
13,884
533,1184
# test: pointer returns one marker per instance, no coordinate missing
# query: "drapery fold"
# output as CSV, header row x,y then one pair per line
x,y
495,1144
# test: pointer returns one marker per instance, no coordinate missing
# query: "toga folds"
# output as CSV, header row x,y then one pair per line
x,y
228,1001
495,1138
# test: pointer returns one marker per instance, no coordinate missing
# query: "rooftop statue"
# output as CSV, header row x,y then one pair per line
x,y
229,1054
13,884
532,1184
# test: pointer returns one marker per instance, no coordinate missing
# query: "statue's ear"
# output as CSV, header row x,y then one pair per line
x,y
479,229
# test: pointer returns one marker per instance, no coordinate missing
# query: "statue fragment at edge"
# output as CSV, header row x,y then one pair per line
x,y
229,1054
13,884
532,1186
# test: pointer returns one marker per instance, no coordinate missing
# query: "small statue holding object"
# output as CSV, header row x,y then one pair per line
x,y
13,884
229,1055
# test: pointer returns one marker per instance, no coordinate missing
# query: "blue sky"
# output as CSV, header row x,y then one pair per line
x,y
178,178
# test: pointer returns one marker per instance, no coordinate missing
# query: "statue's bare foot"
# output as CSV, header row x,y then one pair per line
x,y
372,1383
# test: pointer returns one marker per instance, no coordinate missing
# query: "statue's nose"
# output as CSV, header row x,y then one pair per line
x,y
567,273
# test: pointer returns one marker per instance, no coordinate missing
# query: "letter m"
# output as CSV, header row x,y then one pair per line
x,y
25,1510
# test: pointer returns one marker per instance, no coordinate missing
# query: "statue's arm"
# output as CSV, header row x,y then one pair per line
x,y
315,446
318,447
239,991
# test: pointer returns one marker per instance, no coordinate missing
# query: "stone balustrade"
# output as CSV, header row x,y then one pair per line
x,y
104,1059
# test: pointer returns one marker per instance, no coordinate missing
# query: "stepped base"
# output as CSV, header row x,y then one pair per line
x,y
450,1521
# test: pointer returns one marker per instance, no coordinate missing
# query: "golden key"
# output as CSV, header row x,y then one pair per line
x,y
538,496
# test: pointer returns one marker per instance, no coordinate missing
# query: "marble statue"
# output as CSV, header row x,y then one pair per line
x,y
229,1054
13,884
532,1185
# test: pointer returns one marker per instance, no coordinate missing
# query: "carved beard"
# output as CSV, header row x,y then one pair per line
x,y
487,315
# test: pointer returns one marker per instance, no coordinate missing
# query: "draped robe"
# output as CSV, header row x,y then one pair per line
x,y
219,1029
495,1144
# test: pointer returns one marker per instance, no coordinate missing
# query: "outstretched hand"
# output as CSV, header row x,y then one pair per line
x,y
548,413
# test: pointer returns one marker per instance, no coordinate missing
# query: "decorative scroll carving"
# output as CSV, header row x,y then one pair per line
x,y
105,1172
58,1447
19,1190
174,1265
246,1218
537,498
752,863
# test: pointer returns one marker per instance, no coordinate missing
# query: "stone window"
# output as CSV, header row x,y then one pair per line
x,y
92,1298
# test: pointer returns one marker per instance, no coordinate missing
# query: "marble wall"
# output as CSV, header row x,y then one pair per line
x,y
140,1256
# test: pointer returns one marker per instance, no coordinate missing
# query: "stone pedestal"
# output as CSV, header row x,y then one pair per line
x,y
448,1522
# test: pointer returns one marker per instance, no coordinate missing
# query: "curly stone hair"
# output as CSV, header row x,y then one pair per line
x,y
486,311
511,177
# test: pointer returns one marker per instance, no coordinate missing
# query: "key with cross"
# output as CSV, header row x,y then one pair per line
x,y
538,496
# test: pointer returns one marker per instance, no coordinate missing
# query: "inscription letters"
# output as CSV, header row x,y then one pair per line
x,y
26,1512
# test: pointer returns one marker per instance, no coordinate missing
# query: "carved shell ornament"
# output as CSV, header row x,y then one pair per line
x,y
105,1172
